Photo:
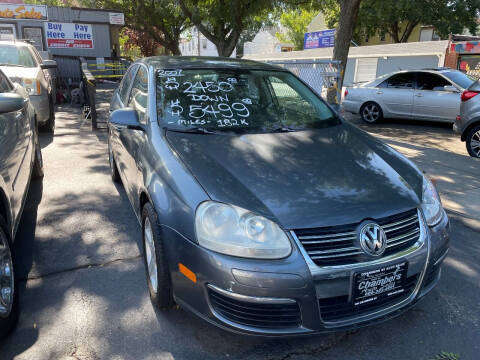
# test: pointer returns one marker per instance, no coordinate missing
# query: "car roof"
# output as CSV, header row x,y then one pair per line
x,y
206,62
14,43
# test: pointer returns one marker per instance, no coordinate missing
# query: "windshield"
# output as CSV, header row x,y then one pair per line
x,y
247,101
16,55
460,78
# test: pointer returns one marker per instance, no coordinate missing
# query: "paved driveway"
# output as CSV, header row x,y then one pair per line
x,y
84,294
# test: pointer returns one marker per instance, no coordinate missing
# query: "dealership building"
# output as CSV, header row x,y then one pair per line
x,y
64,33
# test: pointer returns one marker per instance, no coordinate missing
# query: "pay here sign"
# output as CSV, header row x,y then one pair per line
x,y
68,35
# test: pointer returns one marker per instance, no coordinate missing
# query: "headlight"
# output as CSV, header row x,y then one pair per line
x,y
431,204
231,230
32,86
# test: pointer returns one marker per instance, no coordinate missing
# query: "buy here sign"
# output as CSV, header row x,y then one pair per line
x,y
68,35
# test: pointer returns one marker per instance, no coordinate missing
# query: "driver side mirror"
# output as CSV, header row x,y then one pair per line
x,y
48,64
450,88
10,102
126,118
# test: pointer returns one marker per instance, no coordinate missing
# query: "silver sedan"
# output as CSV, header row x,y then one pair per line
x,y
432,94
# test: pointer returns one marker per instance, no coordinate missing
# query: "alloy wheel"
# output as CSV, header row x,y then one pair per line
x,y
475,143
371,113
150,254
6,279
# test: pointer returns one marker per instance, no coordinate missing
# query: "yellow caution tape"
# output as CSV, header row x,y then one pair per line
x,y
106,64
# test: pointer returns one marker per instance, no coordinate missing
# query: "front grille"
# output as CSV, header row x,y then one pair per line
x,y
337,245
259,315
339,308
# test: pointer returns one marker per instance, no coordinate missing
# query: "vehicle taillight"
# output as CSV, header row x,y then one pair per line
x,y
345,93
467,95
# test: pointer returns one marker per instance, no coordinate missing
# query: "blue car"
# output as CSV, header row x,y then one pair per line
x,y
262,210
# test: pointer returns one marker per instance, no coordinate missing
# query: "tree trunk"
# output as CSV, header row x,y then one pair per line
x,y
408,31
343,36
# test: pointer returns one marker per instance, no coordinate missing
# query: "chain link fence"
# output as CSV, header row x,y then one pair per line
x,y
323,76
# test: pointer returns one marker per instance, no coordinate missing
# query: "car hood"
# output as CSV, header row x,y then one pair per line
x,y
16,72
304,179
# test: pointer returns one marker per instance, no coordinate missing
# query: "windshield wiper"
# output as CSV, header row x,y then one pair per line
x,y
194,130
281,129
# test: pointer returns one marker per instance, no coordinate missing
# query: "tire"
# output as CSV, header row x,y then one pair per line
x,y
9,319
113,166
473,141
371,112
161,293
37,171
50,124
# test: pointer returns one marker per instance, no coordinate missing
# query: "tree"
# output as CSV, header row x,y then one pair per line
x,y
223,21
162,20
138,43
399,18
341,14
296,22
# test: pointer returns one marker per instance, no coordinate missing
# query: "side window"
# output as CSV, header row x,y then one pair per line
x,y
139,94
127,80
399,81
5,85
429,81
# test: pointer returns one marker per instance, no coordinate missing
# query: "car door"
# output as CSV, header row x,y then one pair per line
x,y
16,145
432,101
119,100
133,140
395,95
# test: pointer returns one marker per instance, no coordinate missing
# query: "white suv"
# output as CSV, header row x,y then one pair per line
x,y
22,63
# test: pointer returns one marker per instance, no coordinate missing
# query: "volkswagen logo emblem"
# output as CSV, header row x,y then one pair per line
x,y
373,239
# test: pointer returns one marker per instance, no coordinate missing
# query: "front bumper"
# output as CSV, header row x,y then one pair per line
x,y
287,295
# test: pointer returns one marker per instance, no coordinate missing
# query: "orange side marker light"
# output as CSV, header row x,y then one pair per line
x,y
187,272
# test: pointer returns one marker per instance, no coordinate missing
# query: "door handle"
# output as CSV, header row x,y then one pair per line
x,y
418,95
379,92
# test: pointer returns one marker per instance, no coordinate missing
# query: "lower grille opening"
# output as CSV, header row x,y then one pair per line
x,y
339,308
431,275
273,316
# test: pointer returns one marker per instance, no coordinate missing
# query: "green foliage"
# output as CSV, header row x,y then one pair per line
x,y
162,20
447,356
296,23
399,17
223,21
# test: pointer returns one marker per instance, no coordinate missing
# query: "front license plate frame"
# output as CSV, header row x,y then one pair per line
x,y
377,284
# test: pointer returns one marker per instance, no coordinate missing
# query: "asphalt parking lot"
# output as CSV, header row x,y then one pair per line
x,y
84,294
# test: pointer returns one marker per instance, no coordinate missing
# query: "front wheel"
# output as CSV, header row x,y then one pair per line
x,y
371,112
8,285
473,141
155,259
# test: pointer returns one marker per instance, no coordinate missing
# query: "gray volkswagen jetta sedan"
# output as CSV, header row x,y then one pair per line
x,y
262,210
